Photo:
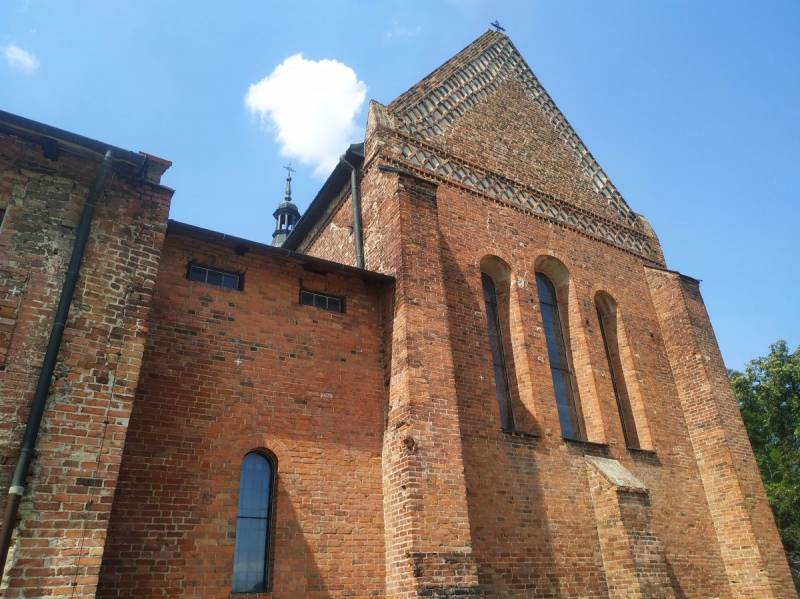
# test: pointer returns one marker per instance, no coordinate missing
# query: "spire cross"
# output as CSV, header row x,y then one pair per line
x,y
288,194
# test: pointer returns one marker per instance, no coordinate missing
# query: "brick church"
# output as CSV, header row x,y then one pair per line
x,y
465,371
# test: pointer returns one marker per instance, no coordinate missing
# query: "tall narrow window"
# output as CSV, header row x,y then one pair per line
x,y
557,352
252,525
607,316
498,356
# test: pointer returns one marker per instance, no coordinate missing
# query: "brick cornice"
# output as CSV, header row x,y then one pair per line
x,y
431,161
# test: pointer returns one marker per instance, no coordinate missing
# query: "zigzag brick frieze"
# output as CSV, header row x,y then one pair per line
x,y
428,113
426,158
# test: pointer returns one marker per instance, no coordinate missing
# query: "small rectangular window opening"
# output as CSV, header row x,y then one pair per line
x,y
321,301
213,276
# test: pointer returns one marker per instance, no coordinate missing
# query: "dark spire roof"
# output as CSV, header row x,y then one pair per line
x,y
286,214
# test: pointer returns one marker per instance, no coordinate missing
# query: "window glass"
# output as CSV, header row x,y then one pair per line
x,y
197,274
557,354
321,301
252,525
498,356
212,276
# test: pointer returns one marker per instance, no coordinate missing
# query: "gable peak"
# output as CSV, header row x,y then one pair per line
x,y
431,106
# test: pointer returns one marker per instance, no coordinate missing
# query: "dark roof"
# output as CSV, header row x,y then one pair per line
x,y
311,263
329,190
137,165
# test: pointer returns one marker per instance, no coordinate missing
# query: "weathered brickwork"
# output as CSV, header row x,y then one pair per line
x,y
535,528
64,515
394,477
227,372
748,540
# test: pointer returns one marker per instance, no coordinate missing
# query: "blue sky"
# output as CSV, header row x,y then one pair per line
x,y
691,106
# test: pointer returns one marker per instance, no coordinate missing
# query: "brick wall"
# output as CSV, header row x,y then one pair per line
x,y
226,372
533,526
749,543
64,514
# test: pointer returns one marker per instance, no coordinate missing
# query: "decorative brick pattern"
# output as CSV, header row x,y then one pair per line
x,y
417,157
474,75
540,523
394,478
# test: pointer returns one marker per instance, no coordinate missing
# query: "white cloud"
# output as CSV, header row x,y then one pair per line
x,y
17,58
311,105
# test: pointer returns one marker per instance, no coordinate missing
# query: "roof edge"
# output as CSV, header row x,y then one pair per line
x,y
54,140
329,190
316,264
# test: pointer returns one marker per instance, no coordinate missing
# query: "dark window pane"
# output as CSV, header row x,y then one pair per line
x,y
197,273
254,486
563,391
252,525
552,334
250,555
547,293
230,281
214,277
321,301
498,357
557,354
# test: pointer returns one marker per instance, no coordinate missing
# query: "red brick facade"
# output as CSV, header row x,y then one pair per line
x,y
474,166
394,477
231,371
64,514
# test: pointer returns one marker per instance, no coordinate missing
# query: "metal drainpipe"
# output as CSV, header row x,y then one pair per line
x,y
17,487
356,193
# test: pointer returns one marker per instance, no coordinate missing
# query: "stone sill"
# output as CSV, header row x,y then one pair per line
x,y
522,434
593,446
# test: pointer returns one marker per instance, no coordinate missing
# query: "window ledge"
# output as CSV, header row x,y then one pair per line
x,y
645,454
586,444
523,434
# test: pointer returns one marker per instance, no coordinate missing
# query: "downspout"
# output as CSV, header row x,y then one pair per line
x,y
356,197
28,446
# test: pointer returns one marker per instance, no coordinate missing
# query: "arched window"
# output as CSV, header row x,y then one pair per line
x,y
607,316
559,364
252,525
498,355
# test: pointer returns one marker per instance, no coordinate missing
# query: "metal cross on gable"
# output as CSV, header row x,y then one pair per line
x,y
496,25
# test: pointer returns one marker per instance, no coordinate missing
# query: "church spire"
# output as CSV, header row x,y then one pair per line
x,y
286,214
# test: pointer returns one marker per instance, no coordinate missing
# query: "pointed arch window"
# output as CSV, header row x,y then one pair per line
x,y
609,327
251,554
559,363
498,355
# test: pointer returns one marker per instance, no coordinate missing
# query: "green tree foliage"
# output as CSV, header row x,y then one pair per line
x,y
768,392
